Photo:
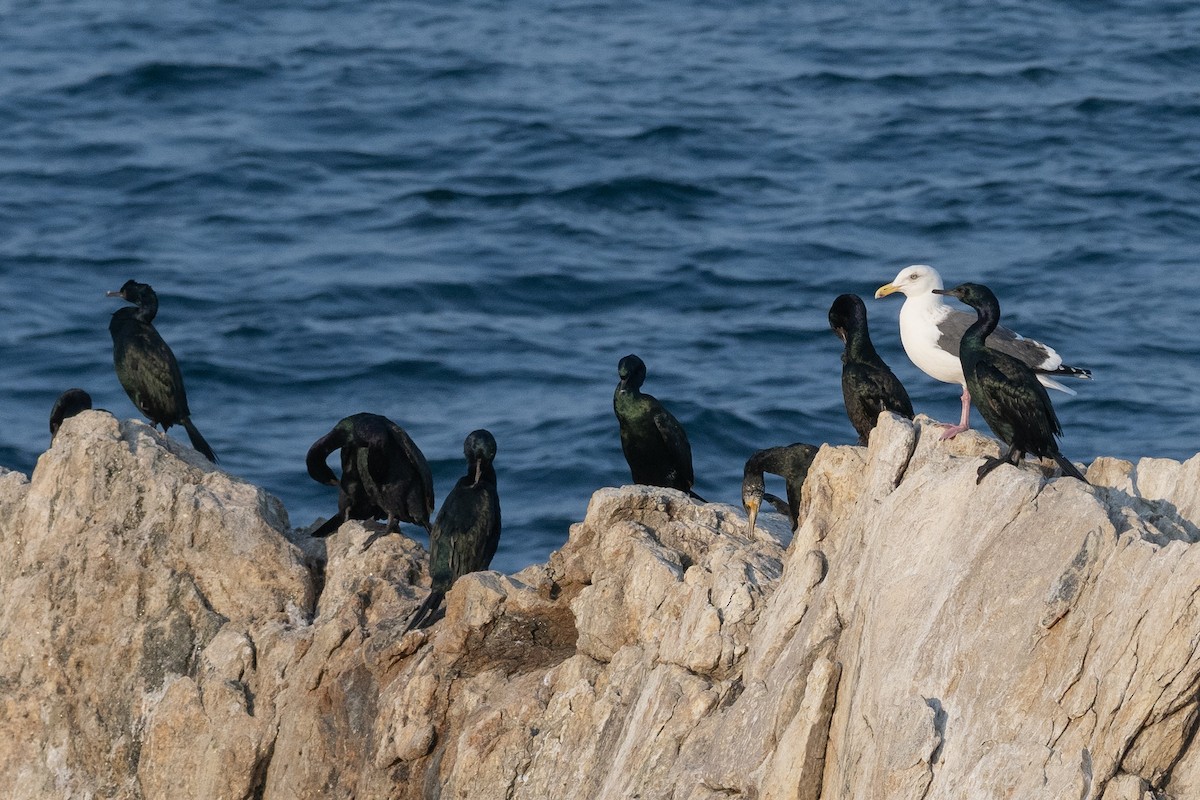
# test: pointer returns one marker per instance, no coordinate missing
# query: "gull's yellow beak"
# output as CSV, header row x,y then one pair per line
x,y
885,290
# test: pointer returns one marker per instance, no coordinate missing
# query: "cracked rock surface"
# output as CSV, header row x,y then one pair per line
x,y
164,633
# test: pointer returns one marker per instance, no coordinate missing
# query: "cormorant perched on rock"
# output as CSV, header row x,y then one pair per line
x,y
384,473
654,442
868,385
1007,392
68,404
146,366
791,462
931,331
467,529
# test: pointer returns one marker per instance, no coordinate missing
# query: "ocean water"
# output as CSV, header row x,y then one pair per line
x,y
463,215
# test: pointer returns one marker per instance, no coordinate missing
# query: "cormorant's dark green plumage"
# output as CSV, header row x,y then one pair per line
x,y
467,529
68,404
1005,390
655,444
791,462
384,473
868,385
146,366
353,502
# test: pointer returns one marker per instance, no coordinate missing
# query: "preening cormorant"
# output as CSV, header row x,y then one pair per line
x,y
931,331
384,473
791,462
68,404
1007,392
146,366
653,441
868,385
467,528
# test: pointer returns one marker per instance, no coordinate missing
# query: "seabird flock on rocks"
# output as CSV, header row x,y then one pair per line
x,y
384,475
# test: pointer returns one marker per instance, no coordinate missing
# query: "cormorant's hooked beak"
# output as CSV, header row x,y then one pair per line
x,y
946,292
841,334
478,472
115,294
752,505
885,290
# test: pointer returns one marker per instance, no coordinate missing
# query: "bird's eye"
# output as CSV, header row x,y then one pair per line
x,y
913,277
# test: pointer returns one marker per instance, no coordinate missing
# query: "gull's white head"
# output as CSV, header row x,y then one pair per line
x,y
913,281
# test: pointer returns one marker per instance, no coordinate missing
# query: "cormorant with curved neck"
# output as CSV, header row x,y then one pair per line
x,y
146,366
384,473
655,444
791,462
68,404
353,502
868,385
467,528
1006,391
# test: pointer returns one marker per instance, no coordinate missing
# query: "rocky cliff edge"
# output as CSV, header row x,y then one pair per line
x,y
164,633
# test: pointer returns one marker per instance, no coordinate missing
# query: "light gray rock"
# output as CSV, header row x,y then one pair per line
x,y
920,637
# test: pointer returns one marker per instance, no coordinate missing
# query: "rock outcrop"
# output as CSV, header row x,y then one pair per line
x,y
166,634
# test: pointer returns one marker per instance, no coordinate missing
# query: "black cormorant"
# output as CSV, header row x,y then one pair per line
x,y
789,461
384,473
654,442
68,404
1006,391
467,529
868,385
146,366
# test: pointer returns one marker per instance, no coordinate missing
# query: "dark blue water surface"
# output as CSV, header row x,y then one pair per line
x,y
463,215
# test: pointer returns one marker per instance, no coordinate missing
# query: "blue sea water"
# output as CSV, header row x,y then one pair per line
x,y
463,215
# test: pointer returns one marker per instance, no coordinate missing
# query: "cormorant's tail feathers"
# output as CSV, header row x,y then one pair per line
x,y
328,527
1068,468
425,615
696,497
198,440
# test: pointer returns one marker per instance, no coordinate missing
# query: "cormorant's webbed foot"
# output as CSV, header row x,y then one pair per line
x,y
371,539
989,465
1013,456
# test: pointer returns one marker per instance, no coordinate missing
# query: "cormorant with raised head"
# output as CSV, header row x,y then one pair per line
x,y
467,528
868,385
146,366
384,473
931,331
68,404
653,441
791,462
1006,390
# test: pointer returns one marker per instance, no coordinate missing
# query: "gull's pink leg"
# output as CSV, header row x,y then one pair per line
x,y
964,422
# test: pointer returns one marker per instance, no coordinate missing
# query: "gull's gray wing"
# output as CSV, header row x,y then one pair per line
x,y
1033,354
